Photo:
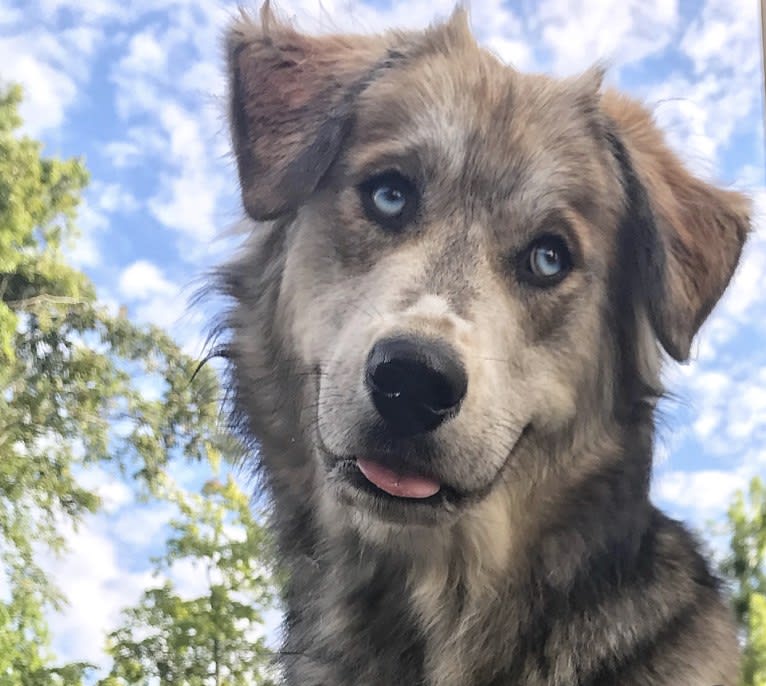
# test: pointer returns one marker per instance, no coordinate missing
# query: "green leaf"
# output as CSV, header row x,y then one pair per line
x,y
209,639
745,566
71,397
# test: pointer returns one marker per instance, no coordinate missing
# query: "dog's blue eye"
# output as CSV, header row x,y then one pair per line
x,y
548,260
389,199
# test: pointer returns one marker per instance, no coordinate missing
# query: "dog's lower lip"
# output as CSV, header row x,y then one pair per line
x,y
397,484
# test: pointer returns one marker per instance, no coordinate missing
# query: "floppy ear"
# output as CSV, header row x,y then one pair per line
x,y
291,100
692,233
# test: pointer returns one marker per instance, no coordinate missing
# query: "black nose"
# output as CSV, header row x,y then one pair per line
x,y
415,384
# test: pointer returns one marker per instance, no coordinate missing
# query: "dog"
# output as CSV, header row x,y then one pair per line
x,y
445,339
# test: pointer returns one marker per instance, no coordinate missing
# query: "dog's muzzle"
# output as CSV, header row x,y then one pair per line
x,y
415,385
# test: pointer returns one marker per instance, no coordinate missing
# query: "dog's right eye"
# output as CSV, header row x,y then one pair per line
x,y
545,262
389,199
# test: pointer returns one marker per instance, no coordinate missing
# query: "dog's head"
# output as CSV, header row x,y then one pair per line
x,y
462,271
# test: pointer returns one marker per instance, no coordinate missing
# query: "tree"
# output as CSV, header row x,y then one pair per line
x,y
69,394
745,565
214,638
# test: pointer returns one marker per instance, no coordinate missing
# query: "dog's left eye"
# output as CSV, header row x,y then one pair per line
x,y
547,261
389,199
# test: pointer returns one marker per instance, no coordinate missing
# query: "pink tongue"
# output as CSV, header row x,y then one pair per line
x,y
400,485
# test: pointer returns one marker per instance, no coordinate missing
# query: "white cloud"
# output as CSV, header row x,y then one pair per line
x,y
190,185
85,252
517,53
495,23
190,578
705,493
188,199
141,143
93,218
747,409
51,65
159,301
145,54
165,67
97,587
701,112
150,386
95,10
114,493
701,115
184,136
72,49
122,153
728,399
580,32
235,532
113,197
10,15
751,177
142,528
203,78
48,92
143,279
194,345
723,36
171,314
187,203
187,475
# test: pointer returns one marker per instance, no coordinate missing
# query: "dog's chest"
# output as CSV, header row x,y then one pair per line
x,y
462,628
358,619
380,627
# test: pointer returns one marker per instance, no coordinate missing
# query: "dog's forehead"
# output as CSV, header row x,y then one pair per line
x,y
474,120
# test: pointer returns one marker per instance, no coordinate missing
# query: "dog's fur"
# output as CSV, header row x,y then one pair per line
x,y
551,567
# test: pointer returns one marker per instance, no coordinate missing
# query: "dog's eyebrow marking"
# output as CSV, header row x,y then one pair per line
x,y
367,162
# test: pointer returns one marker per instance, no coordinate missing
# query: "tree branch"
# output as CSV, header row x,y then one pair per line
x,y
45,299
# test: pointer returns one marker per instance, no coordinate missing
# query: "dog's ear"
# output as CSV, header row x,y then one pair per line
x,y
291,101
691,233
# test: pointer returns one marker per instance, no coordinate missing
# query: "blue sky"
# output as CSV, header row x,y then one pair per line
x,y
136,85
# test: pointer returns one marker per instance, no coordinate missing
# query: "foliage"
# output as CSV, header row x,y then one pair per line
x,y
70,393
745,565
214,638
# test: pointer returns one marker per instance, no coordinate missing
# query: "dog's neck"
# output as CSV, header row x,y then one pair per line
x,y
445,584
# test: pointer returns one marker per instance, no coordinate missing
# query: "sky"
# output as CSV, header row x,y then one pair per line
x,y
136,87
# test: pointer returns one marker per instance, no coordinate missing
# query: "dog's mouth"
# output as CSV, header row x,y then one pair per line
x,y
395,481
390,486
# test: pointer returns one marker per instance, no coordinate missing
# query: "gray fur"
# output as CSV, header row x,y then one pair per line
x,y
549,565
